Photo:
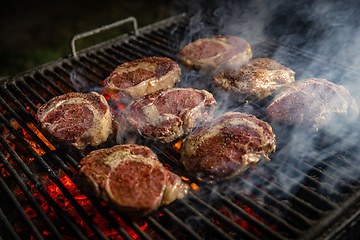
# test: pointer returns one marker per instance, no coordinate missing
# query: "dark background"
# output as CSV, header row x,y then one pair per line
x,y
36,32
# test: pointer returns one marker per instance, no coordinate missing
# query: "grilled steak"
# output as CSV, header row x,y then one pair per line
x,y
227,145
213,52
312,103
170,113
77,119
142,76
129,178
259,78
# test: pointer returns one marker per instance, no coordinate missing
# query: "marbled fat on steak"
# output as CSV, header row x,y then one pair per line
x,y
170,113
216,51
259,78
312,103
142,76
129,178
226,146
77,119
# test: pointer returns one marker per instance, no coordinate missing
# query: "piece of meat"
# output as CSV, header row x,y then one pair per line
x,y
312,103
130,178
140,77
259,78
216,51
76,119
226,146
171,113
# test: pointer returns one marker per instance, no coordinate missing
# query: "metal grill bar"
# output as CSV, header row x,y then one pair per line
x,y
20,211
29,196
208,225
7,227
275,211
190,232
220,217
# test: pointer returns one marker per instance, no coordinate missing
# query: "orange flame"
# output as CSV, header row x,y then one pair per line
x,y
192,185
177,145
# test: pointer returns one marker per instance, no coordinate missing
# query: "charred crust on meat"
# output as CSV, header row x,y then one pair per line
x,y
259,78
129,178
169,114
227,145
209,54
76,119
312,104
140,77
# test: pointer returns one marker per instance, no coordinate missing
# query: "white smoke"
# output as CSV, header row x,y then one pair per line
x,y
327,33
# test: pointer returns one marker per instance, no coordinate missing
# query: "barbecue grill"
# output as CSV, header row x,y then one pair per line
x,y
310,192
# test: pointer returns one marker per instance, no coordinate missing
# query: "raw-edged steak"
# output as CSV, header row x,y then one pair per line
x,y
312,103
170,113
129,178
77,119
215,51
259,78
142,76
226,146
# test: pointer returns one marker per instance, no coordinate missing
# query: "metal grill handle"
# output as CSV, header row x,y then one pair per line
x,y
103,28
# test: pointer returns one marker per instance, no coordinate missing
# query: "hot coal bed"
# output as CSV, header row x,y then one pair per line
x,y
309,190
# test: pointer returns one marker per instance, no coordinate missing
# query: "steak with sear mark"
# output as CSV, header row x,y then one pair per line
x,y
171,113
129,178
312,103
226,146
259,78
76,119
216,51
140,77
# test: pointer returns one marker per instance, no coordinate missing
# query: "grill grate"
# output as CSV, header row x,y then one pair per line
x,y
40,200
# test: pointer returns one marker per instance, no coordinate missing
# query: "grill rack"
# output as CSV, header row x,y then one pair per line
x,y
254,205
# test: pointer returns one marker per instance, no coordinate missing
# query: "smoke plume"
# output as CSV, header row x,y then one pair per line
x,y
325,33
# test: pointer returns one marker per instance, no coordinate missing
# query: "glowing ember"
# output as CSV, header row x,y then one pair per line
x,y
192,185
243,223
177,145
64,203
33,143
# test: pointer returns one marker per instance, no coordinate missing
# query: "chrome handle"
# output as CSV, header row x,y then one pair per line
x,y
103,28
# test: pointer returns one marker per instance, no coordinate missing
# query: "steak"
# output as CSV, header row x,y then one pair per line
x,y
140,77
171,113
226,146
259,78
216,51
130,178
312,103
76,119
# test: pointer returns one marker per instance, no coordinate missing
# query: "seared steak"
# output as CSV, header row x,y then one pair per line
x,y
227,145
312,103
142,76
129,178
259,78
213,52
170,113
78,119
